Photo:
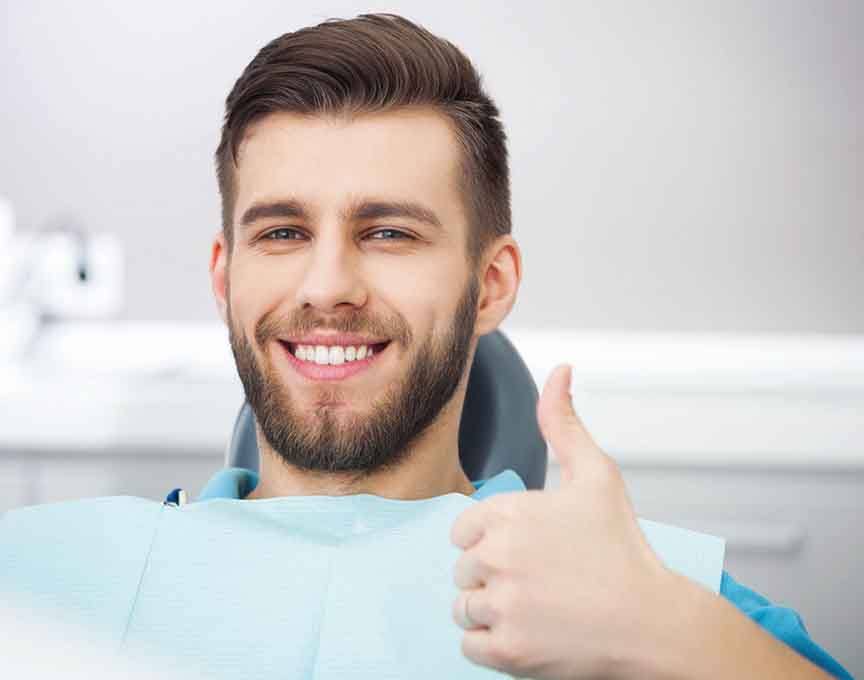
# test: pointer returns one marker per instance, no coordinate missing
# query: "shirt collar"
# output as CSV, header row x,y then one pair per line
x,y
237,483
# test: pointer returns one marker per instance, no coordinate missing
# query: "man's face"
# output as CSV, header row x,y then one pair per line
x,y
319,249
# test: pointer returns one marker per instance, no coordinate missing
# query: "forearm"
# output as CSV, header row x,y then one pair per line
x,y
703,636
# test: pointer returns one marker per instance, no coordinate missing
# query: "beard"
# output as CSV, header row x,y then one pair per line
x,y
356,444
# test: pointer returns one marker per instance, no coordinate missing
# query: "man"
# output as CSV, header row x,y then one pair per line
x,y
365,247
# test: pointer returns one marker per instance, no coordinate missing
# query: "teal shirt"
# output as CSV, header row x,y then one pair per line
x,y
782,622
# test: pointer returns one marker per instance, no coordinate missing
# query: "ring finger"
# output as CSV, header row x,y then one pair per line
x,y
471,609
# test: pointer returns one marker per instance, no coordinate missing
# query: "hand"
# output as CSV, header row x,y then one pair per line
x,y
560,584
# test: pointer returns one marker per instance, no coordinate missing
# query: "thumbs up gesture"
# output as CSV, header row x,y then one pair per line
x,y
559,584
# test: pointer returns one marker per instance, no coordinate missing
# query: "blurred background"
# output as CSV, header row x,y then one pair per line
x,y
687,193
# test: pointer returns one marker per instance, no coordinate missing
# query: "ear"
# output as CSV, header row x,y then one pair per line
x,y
501,273
219,274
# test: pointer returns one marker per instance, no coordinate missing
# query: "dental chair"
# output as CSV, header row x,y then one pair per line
x,y
499,428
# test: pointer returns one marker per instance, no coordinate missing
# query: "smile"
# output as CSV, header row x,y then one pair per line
x,y
331,362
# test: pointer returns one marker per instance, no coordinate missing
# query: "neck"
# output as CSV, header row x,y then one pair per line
x,y
431,468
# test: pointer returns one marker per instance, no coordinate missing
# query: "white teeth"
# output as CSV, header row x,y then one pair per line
x,y
334,355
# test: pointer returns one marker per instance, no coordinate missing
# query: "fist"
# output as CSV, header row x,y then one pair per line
x,y
558,584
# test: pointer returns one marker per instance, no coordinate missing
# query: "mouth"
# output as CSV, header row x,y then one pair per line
x,y
332,363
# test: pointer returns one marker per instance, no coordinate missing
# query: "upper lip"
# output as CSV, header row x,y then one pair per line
x,y
345,339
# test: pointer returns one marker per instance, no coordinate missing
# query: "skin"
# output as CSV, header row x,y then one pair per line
x,y
338,272
604,607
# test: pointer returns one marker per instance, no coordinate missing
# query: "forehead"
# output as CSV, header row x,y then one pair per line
x,y
326,161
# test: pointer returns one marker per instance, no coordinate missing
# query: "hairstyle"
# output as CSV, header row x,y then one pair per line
x,y
376,63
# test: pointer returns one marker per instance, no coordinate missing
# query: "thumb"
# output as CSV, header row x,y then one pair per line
x,y
560,426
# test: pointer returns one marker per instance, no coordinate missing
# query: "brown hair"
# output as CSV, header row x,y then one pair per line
x,y
375,63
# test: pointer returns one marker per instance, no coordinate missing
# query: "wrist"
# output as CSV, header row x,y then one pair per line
x,y
669,637
696,634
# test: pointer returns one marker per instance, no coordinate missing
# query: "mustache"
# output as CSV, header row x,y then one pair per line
x,y
276,326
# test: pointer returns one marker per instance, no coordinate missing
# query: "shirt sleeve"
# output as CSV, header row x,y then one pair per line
x,y
783,623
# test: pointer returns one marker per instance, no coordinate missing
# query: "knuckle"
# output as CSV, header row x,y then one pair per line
x,y
504,549
506,650
478,650
501,515
572,419
460,569
500,651
461,533
456,532
469,650
509,504
454,611
460,579
484,556
607,472
507,602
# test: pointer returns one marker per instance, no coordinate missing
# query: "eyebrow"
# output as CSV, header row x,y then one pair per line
x,y
361,210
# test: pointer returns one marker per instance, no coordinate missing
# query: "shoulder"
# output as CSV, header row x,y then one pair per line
x,y
80,560
782,622
75,529
104,509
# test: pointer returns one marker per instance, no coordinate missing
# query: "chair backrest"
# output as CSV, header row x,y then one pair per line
x,y
499,428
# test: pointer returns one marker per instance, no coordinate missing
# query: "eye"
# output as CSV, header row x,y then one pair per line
x,y
268,235
401,234
271,235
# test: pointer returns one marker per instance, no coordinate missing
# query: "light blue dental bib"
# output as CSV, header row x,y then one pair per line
x,y
321,587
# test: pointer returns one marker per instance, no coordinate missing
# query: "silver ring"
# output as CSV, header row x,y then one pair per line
x,y
468,620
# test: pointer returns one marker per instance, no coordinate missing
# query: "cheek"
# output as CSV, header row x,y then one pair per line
x,y
419,281
425,297
252,296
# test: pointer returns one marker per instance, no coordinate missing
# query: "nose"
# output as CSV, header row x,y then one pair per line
x,y
331,276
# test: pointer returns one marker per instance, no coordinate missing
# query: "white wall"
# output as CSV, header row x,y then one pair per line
x,y
676,165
